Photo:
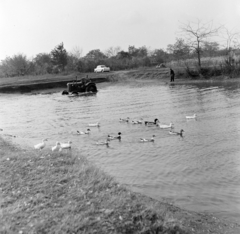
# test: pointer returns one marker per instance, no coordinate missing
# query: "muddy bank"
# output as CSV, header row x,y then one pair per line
x,y
41,85
143,73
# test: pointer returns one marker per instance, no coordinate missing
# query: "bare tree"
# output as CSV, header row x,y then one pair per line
x,y
231,43
112,51
77,52
197,33
231,39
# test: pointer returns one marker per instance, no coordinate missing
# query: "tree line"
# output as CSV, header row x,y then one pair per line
x,y
194,42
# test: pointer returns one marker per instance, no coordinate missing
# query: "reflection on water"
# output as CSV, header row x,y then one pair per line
x,y
199,171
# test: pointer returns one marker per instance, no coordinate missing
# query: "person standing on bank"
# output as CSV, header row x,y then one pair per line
x,y
172,74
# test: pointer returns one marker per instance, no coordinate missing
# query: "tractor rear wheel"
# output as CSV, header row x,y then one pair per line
x,y
64,92
91,88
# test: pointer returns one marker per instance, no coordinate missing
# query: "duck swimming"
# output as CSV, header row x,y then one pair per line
x,y
88,131
150,123
191,116
134,122
110,137
140,121
165,125
124,120
147,140
94,124
82,133
177,133
41,145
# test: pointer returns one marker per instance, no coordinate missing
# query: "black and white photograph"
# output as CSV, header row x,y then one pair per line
x,y
120,117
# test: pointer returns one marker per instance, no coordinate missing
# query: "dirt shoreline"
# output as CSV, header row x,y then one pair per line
x,y
40,85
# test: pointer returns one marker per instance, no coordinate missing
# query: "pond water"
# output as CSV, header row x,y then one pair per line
x,y
199,171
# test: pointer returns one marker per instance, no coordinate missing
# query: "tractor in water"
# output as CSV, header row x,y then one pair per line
x,y
84,85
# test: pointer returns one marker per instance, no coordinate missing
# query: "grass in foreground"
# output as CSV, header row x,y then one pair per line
x,y
44,192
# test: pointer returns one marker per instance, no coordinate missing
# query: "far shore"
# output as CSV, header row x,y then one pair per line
x,y
25,84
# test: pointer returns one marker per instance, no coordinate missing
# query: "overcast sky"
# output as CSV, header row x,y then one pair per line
x,y
37,26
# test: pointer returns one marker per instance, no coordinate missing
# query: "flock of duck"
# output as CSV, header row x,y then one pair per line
x,y
156,122
61,146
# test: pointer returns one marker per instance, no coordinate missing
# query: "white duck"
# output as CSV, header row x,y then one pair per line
x,y
94,124
177,133
124,120
67,145
110,137
56,147
82,133
140,121
41,145
147,140
165,125
191,116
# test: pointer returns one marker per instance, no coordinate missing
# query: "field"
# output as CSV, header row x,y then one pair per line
x,y
206,61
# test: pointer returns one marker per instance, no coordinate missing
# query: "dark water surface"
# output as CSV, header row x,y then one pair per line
x,y
199,172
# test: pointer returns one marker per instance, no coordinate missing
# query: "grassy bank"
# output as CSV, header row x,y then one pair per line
x,y
25,80
25,84
45,192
